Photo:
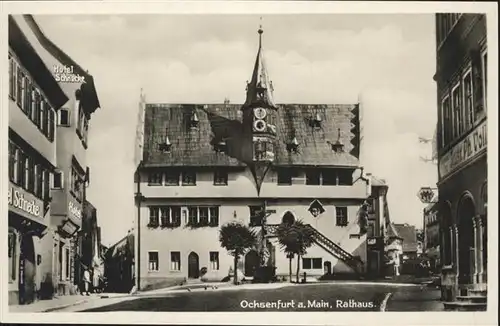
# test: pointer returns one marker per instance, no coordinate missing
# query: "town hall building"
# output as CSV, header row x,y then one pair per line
x,y
200,166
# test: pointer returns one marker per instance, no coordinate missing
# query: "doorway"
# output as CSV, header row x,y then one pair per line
x,y
466,261
193,265
27,270
327,267
251,263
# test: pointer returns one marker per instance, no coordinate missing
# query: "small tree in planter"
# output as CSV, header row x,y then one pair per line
x,y
295,238
237,239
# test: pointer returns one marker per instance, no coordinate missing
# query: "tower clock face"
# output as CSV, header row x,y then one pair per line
x,y
260,113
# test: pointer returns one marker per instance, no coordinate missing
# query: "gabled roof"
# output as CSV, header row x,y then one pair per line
x,y
409,235
31,60
195,146
88,88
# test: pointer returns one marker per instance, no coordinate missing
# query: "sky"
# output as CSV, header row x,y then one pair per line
x,y
385,61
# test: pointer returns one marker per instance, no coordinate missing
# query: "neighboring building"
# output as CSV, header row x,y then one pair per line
x,y
201,166
119,270
90,253
77,101
461,79
408,234
378,218
34,99
431,235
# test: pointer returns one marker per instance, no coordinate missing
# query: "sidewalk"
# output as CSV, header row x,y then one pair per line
x,y
421,298
62,302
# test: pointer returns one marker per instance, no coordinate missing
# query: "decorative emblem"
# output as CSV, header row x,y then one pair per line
x,y
426,195
316,208
260,113
259,125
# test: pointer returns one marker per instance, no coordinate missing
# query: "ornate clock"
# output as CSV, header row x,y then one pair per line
x,y
259,113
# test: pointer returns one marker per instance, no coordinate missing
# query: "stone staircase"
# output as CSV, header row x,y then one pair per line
x,y
355,263
475,300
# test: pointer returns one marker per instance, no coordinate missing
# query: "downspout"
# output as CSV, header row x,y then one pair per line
x,y
137,240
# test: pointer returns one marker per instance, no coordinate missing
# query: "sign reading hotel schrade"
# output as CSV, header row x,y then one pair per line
x,y
25,202
75,210
467,149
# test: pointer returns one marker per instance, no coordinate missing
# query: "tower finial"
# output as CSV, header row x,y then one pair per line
x,y
260,31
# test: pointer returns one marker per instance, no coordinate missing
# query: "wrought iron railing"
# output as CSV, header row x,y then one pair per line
x,y
328,245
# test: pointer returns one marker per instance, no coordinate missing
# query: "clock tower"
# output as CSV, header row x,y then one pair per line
x,y
260,116
259,110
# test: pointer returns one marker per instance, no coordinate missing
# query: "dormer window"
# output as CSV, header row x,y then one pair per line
x,y
293,146
315,121
220,147
337,147
165,145
194,121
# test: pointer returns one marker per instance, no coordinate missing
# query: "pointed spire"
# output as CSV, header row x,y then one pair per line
x,y
260,89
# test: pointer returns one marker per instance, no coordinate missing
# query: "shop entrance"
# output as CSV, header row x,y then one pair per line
x,y
27,270
466,261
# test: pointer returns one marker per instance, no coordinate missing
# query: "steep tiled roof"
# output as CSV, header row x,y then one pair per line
x,y
260,81
195,146
378,182
409,235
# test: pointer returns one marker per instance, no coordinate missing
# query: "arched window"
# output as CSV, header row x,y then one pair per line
x,y
288,218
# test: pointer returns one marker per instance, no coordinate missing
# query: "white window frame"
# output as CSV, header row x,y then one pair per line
x,y
467,115
443,120
312,265
214,264
484,70
59,117
455,121
176,268
157,262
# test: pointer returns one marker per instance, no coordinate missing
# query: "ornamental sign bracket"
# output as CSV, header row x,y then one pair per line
x,y
427,195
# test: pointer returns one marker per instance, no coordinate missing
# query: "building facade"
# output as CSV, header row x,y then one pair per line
x,y
119,268
201,166
89,246
462,151
34,99
61,116
431,236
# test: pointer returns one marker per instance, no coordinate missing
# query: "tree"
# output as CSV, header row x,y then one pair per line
x,y
236,238
294,239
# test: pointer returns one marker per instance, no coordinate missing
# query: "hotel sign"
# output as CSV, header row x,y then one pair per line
x,y
25,202
75,210
467,149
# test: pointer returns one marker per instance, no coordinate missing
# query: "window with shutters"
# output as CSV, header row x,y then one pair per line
x,y
313,177
30,99
189,178
154,216
155,178
172,177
